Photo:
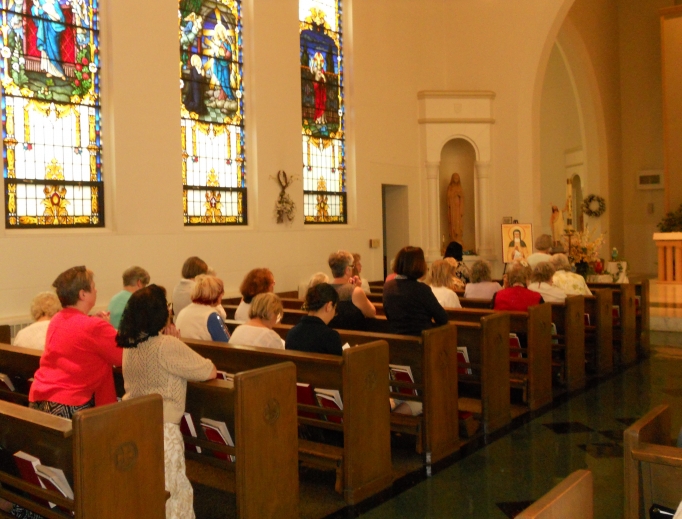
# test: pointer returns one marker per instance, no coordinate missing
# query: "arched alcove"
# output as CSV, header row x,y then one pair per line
x,y
459,156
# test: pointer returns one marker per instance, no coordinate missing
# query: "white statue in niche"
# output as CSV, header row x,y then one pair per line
x,y
455,196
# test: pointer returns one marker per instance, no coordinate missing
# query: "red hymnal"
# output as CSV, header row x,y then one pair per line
x,y
587,319
463,358
402,374
217,432
6,382
331,399
187,428
306,396
515,346
54,479
27,468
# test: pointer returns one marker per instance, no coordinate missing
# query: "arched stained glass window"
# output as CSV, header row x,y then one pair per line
x,y
51,113
324,164
212,112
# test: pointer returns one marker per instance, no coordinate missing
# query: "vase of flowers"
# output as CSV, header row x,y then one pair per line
x,y
583,249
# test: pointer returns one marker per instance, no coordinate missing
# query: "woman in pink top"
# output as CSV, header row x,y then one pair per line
x,y
76,367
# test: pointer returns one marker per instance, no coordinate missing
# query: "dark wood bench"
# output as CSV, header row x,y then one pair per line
x,y
19,364
652,465
599,333
5,334
569,318
573,497
363,464
112,457
260,412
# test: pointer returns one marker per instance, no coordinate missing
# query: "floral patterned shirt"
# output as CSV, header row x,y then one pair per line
x,y
572,284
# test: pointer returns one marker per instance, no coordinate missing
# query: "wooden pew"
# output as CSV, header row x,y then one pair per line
x,y
570,322
260,412
217,400
433,361
652,466
599,334
111,455
535,325
625,329
570,499
363,464
5,334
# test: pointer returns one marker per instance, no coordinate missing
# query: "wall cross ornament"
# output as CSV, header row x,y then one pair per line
x,y
285,206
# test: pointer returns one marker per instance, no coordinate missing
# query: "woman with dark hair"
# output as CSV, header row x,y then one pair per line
x,y
257,281
312,334
455,251
154,362
410,306
182,293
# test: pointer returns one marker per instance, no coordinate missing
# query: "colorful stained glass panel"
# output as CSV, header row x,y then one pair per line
x,y
321,59
212,112
49,60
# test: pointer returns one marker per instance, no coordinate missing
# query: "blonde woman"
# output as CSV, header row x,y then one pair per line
x,y
265,312
200,320
443,282
43,307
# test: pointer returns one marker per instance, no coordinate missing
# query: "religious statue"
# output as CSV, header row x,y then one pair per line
x,y
558,225
456,208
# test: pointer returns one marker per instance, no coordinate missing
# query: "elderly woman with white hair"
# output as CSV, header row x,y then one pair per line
x,y
543,285
264,313
516,297
572,284
482,285
43,307
200,320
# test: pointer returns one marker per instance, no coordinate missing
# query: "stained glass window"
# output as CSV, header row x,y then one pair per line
x,y
212,112
324,164
51,113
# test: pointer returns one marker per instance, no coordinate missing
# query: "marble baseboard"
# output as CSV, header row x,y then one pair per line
x,y
673,339
666,323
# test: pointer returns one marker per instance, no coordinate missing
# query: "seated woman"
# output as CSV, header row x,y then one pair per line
x,y
265,312
455,251
442,280
410,306
543,285
200,320
572,284
353,305
481,285
76,367
312,333
357,271
162,364
257,281
43,307
182,293
516,298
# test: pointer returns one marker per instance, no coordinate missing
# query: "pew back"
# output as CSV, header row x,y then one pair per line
x,y
570,499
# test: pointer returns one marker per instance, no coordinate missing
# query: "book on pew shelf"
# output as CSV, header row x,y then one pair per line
x,y
217,432
331,399
555,340
467,424
514,343
661,512
53,478
402,374
615,312
463,358
187,429
306,396
587,319
6,382
224,375
27,468
345,346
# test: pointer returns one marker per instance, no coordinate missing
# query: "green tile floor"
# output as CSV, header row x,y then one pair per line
x,y
585,432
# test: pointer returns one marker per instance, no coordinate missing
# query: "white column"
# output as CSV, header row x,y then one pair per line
x,y
432,177
484,229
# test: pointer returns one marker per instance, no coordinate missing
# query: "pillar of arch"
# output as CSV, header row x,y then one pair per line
x,y
448,115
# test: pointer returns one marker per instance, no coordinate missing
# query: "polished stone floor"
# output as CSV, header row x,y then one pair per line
x,y
502,478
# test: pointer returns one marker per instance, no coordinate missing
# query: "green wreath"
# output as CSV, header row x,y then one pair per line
x,y
589,206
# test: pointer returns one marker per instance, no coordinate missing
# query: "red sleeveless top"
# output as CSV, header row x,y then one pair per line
x,y
516,299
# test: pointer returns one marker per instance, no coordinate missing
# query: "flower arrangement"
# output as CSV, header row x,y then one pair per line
x,y
584,247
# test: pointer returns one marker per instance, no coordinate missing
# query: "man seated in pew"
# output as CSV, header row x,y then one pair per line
x,y
516,297
353,307
134,278
76,367
568,281
43,307
482,285
156,362
443,283
257,281
543,244
541,282
264,313
200,320
410,306
312,333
